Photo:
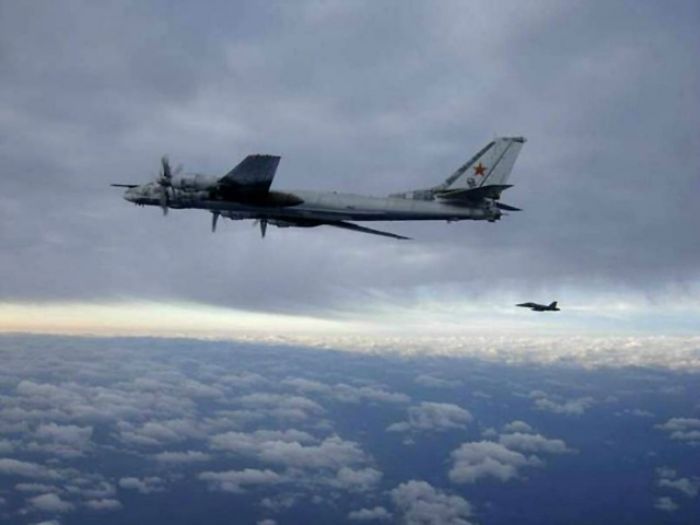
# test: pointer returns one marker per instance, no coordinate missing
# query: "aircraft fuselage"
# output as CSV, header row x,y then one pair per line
x,y
192,193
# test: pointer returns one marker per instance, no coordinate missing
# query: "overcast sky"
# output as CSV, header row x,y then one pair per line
x,y
369,97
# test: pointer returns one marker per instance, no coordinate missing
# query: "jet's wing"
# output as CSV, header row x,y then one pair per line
x,y
357,228
253,175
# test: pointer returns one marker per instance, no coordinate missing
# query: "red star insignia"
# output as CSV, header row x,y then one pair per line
x,y
479,169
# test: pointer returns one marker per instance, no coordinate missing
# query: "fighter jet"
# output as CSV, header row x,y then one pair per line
x,y
472,192
551,307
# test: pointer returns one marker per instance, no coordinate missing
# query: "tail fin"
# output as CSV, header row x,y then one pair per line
x,y
489,167
553,305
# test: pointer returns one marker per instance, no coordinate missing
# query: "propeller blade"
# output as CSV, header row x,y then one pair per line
x,y
167,174
263,227
214,219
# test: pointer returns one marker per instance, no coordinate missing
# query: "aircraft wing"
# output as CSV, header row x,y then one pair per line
x,y
357,228
253,175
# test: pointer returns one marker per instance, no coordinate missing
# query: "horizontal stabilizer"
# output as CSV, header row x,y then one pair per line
x,y
507,207
492,191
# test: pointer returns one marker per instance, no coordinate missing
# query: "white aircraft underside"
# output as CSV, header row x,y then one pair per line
x,y
471,193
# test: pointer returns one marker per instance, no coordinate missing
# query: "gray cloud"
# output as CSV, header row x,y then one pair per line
x,y
436,382
144,486
237,480
503,459
687,486
429,416
50,503
332,452
668,478
570,407
35,487
517,426
484,459
533,443
373,514
684,429
666,504
103,504
190,456
422,504
93,94
359,480
26,469
345,393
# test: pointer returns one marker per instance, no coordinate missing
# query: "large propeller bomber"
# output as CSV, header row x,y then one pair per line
x,y
244,193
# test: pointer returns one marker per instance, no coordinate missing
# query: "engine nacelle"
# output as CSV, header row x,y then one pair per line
x,y
288,224
236,216
196,182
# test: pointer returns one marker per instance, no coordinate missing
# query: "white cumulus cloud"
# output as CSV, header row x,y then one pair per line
x,y
373,514
144,486
570,407
26,469
484,459
517,426
533,443
190,456
236,480
433,416
105,504
359,480
666,504
50,502
421,504
685,429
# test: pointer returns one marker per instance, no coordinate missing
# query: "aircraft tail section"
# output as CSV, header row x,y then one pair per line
x,y
484,176
553,305
491,166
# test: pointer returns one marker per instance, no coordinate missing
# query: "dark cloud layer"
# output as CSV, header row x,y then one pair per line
x,y
368,97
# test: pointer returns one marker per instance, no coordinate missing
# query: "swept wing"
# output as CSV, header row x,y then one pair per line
x,y
357,228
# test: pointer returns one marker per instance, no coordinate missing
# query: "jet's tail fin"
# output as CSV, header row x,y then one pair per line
x,y
491,166
553,305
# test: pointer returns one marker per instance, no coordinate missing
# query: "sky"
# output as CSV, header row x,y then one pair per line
x,y
366,97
